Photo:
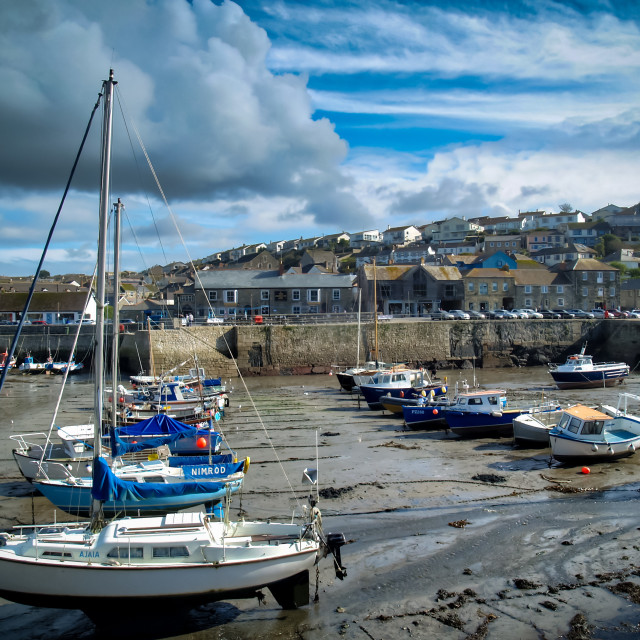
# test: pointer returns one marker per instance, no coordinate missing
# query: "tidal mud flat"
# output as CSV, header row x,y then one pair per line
x,y
448,538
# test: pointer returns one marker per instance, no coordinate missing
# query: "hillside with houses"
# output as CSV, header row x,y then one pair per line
x,y
536,259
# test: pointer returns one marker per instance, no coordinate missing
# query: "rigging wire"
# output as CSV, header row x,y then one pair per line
x,y
23,317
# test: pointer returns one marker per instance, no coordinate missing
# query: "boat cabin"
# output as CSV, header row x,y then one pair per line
x,y
407,377
583,421
487,400
577,362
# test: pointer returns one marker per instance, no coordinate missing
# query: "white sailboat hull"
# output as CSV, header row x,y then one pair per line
x,y
247,557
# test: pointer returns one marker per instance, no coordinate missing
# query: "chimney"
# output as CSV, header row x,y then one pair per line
x,y
280,268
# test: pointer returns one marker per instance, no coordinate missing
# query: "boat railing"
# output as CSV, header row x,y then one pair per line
x,y
546,417
623,399
27,445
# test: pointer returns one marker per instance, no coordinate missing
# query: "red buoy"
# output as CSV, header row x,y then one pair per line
x,y
435,412
201,443
586,470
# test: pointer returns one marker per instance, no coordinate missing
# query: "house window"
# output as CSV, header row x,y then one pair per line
x,y
527,288
560,288
335,308
600,292
264,294
336,294
471,286
449,291
484,288
222,311
494,286
295,310
544,289
528,303
313,295
264,310
187,297
385,290
213,296
419,290
612,291
500,263
561,302
612,276
295,295
505,286
600,278
585,292
231,295
585,276
231,312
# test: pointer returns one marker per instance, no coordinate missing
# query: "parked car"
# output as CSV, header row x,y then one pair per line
x,y
459,314
502,314
634,313
441,314
476,315
549,315
533,313
605,313
521,313
39,322
84,321
579,313
564,313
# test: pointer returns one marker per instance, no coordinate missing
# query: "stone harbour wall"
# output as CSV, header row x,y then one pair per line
x,y
306,349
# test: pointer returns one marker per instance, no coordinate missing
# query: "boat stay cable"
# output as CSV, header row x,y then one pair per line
x,y
27,303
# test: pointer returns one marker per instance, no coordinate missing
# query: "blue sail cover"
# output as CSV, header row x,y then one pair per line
x,y
154,432
108,487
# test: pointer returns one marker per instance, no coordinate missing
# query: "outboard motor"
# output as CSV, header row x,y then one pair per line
x,y
334,542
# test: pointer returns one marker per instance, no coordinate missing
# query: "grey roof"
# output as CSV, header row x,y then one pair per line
x,y
245,279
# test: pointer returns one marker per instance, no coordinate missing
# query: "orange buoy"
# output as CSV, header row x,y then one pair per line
x,y
586,470
201,443
435,412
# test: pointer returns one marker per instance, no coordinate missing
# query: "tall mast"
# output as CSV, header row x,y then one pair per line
x,y
375,311
99,360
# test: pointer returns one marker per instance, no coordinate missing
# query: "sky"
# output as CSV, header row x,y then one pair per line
x,y
277,119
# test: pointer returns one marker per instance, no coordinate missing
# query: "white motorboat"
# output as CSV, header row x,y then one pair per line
x,y
585,434
581,372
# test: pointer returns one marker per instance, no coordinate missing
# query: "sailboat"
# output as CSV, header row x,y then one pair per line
x,y
184,558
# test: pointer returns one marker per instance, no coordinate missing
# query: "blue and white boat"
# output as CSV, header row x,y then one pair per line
x,y
148,487
585,434
486,413
399,382
581,372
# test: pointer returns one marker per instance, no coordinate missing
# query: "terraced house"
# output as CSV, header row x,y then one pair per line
x,y
231,293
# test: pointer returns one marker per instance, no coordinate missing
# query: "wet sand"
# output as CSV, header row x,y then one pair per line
x,y
448,538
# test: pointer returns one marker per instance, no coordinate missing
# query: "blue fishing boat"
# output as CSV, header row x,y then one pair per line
x,y
486,413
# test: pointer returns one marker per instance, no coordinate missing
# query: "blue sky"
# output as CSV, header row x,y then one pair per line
x,y
275,120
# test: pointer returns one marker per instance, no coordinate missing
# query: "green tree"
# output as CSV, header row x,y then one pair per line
x,y
634,273
565,207
44,273
607,244
620,267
